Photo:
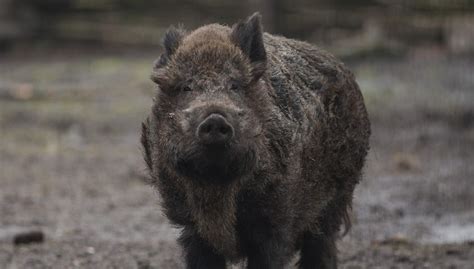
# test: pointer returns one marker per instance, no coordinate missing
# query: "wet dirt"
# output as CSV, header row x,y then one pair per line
x,y
71,165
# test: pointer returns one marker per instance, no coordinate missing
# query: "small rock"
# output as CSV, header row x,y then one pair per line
x,y
400,212
398,239
90,250
143,264
403,259
466,119
460,34
22,91
76,263
453,252
406,162
29,237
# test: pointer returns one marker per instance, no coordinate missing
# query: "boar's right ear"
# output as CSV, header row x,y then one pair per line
x,y
171,41
248,36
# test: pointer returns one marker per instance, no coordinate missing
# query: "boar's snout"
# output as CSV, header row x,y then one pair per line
x,y
214,130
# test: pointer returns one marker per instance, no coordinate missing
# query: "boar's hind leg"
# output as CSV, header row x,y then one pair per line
x,y
198,254
318,252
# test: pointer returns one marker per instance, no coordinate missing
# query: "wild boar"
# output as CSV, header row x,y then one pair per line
x,y
255,143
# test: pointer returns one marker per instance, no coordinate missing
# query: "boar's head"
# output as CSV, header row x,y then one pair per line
x,y
208,115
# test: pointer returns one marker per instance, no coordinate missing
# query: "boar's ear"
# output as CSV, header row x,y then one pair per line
x,y
171,41
248,36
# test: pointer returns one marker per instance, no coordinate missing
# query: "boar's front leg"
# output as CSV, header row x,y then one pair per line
x,y
264,228
198,253
267,244
268,254
318,251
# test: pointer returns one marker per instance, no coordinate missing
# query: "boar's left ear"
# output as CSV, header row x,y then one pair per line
x,y
248,36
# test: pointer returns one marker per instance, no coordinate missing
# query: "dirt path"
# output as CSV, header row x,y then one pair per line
x,y
71,167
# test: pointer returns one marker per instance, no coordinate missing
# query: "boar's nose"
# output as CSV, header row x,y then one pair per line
x,y
214,130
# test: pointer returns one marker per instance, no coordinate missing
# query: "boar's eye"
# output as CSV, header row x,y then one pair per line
x,y
186,88
234,85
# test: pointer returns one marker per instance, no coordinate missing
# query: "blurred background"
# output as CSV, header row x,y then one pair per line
x,y
353,27
74,88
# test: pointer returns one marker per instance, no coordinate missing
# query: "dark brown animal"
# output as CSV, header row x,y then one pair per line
x,y
255,143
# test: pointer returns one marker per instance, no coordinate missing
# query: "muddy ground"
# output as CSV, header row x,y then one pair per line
x,y
71,166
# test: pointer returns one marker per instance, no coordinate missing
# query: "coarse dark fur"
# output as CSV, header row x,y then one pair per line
x,y
284,181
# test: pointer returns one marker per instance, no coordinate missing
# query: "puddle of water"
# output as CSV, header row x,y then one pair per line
x,y
452,233
7,233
